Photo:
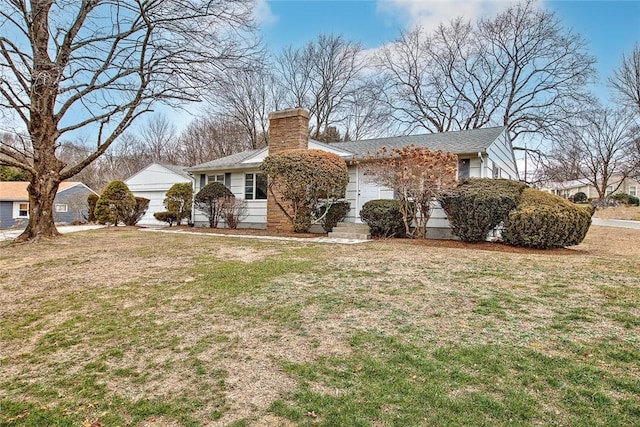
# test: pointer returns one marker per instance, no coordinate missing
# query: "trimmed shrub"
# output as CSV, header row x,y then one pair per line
x,y
168,217
178,201
209,200
299,180
543,221
383,217
115,204
478,205
137,211
92,199
580,197
336,213
625,199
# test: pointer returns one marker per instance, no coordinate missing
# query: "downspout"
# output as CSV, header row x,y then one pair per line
x,y
192,220
482,171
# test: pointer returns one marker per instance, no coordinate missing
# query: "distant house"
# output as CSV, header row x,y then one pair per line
x,y
152,182
617,184
69,205
481,153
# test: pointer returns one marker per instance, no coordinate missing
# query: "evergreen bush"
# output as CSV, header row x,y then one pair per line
x,y
114,204
626,199
137,211
478,205
209,200
580,197
336,213
383,217
543,221
168,217
92,199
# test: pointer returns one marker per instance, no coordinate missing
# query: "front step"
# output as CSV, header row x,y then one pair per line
x,y
350,230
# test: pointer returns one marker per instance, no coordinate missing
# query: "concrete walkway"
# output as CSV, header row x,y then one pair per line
x,y
64,229
619,223
255,237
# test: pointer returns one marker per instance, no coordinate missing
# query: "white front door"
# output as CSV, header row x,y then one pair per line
x,y
366,191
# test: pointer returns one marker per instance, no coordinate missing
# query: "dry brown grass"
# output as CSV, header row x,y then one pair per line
x,y
619,212
176,333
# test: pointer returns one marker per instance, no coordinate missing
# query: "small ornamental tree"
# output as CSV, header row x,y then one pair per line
x,y
418,176
115,203
209,200
300,180
92,200
178,201
137,211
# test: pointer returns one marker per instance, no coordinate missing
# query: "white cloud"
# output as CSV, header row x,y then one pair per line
x,y
432,13
263,14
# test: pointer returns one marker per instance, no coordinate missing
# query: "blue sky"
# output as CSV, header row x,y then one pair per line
x,y
610,27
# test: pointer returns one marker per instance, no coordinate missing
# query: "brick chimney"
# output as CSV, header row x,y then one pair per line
x,y
288,129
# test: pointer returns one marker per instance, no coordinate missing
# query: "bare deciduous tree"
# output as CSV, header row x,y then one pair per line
x,y
520,69
599,145
159,140
209,138
247,97
626,79
98,65
320,77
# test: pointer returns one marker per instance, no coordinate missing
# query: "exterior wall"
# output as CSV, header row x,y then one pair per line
x,y
256,209
501,156
75,198
7,219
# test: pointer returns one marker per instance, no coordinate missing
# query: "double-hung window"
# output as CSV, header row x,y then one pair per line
x,y
20,209
255,186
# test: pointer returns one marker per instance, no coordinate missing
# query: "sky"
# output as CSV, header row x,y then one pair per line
x,y
611,28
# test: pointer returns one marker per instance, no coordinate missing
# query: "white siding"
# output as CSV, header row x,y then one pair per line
x,y
256,209
152,183
501,155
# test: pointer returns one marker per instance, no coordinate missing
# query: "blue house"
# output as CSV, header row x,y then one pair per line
x,y
70,204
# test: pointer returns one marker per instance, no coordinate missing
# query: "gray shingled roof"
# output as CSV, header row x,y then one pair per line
x,y
232,160
180,170
457,142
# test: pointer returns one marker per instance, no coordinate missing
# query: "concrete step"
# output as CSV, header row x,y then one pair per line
x,y
352,226
350,230
349,235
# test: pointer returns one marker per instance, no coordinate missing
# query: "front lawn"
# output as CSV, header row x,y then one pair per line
x,y
118,327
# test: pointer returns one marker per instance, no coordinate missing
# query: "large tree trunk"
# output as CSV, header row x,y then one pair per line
x,y
42,193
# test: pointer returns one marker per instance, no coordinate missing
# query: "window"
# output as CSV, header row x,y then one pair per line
x,y
463,168
20,210
61,207
609,190
215,178
255,186
224,178
633,191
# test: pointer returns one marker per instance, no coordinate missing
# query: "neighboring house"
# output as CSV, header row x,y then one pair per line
x,y
69,205
481,153
616,185
153,182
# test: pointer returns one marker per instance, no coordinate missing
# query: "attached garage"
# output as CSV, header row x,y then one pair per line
x,y
152,183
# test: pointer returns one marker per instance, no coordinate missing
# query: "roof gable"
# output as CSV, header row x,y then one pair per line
x,y
178,172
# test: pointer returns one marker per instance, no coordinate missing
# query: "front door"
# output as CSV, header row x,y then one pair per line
x,y
366,191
